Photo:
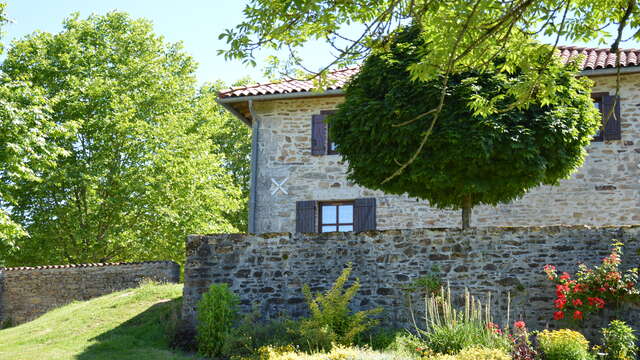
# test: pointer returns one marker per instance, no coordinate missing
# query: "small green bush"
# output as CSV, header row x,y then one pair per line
x,y
563,344
619,341
217,310
331,320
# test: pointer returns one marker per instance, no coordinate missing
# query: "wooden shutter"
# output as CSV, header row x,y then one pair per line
x,y
612,130
364,214
306,216
318,135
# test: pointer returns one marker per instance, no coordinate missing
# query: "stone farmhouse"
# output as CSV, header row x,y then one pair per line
x,y
299,183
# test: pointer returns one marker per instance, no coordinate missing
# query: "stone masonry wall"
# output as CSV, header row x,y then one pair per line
x,y
605,191
26,293
270,269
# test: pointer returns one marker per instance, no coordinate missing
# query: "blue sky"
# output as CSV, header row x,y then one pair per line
x,y
197,23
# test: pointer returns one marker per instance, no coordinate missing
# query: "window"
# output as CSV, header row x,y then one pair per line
x,y
609,107
320,142
336,216
597,102
328,216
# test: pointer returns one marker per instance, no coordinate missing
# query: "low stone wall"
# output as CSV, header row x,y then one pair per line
x,y
270,269
28,292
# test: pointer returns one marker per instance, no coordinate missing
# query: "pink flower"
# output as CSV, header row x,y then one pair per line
x,y
519,325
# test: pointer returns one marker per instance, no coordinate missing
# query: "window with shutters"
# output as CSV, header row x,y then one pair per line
x,y
336,216
321,144
609,107
329,216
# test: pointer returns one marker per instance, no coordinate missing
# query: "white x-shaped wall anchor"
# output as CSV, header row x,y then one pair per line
x,y
279,186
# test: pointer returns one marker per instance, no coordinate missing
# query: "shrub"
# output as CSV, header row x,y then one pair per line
x,y
563,344
217,311
619,341
474,353
331,318
253,333
594,288
449,330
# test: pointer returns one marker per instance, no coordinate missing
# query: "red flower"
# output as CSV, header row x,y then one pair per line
x,y
577,302
558,315
565,276
597,302
560,302
519,324
561,290
577,315
578,288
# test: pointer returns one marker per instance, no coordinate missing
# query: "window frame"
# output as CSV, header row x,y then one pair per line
x,y
598,98
337,224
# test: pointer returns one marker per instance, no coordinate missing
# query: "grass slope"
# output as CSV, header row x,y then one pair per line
x,y
130,324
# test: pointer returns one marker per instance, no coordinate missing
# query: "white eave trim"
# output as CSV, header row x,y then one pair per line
x,y
611,71
291,95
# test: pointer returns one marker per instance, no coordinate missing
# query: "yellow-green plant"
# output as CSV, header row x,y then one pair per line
x,y
563,344
338,352
331,318
474,353
619,341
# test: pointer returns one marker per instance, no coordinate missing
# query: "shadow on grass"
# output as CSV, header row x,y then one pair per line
x,y
145,336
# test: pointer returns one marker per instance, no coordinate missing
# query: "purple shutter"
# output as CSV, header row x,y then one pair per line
x,y
318,135
306,216
612,129
364,214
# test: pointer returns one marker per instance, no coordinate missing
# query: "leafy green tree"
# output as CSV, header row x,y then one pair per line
x,y
461,36
26,149
471,158
232,139
142,171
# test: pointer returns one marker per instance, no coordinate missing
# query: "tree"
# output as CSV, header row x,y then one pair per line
x,y
26,149
471,158
232,139
460,35
141,171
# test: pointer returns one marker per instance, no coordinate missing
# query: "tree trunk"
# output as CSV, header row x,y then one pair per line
x,y
466,213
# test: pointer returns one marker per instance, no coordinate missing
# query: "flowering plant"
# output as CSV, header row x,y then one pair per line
x,y
593,289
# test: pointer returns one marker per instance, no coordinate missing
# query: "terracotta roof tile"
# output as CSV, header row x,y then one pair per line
x,y
45,267
594,59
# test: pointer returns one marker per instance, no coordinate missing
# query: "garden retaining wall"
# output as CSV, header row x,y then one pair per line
x,y
270,269
28,292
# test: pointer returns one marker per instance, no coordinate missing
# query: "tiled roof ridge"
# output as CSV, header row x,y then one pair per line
x,y
595,59
87,265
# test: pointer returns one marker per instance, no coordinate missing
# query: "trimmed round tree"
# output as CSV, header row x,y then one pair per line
x,y
475,154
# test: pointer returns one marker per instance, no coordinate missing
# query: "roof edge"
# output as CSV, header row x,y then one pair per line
x,y
291,95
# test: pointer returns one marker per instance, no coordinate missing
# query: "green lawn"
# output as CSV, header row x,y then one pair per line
x,y
130,324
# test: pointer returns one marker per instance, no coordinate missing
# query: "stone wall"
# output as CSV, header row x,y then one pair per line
x,y
270,269
28,292
605,191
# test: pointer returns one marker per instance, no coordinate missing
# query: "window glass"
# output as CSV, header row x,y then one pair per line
x,y
597,102
329,214
345,214
337,216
